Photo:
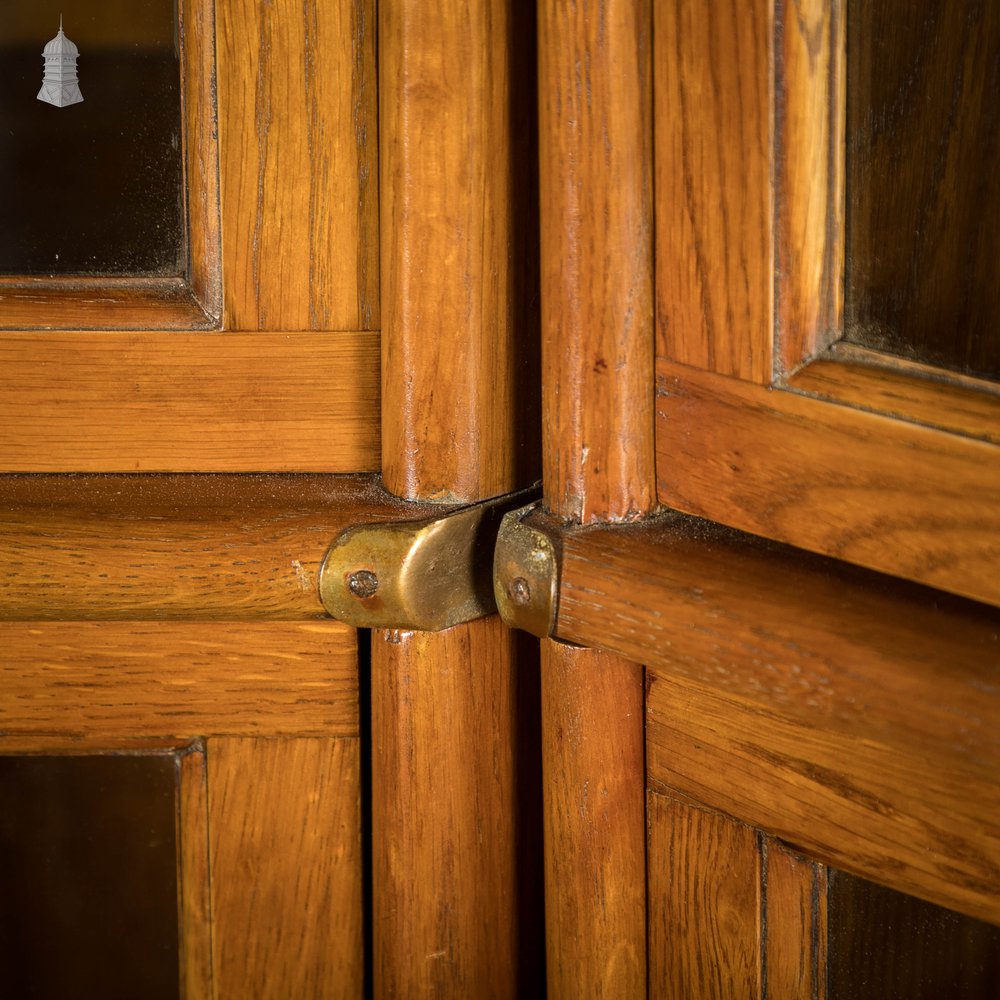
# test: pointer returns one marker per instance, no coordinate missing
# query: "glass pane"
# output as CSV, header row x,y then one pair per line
x,y
88,906
923,188
91,186
884,945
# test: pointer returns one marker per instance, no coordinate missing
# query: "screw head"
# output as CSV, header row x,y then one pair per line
x,y
362,583
519,591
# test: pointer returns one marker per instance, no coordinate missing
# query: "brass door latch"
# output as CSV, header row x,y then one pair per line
x,y
427,574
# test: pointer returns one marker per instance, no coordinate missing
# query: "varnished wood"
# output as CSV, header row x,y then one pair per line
x,y
597,267
193,876
188,402
795,934
139,680
922,819
714,210
444,822
105,303
873,490
456,161
176,547
809,127
297,135
916,393
923,276
592,764
704,921
285,826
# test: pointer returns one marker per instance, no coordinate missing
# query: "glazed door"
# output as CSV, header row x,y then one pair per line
x,y
170,686
802,765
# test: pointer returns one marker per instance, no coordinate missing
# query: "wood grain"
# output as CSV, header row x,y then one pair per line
x,y
89,680
809,197
923,278
297,136
285,825
714,211
863,487
447,833
106,303
201,153
704,903
458,218
795,914
597,258
919,819
193,876
870,381
188,402
175,546
592,756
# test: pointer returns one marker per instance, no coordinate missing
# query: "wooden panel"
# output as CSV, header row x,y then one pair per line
x,y
100,304
923,139
457,158
592,764
193,877
918,819
597,267
795,915
908,391
714,242
447,827
860,486
88,679
188,402
810,178
297,136
704,903
182,547
285,829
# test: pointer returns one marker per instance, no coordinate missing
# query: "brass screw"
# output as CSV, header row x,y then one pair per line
x,y
519,591
362,583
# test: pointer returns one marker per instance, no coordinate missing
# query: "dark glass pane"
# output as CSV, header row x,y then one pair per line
x,y
923,188
92,187
884,945
88,884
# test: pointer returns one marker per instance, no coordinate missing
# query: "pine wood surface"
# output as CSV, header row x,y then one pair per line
x,y
456,161
298,150
809,184
448,835
917,818
592,763
284,824
597,266
704,903
193,876
105,303
714,231
873,490
174,546
188,402
916,393
88,680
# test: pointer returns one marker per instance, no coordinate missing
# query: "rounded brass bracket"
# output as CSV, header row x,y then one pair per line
x,y
526,574
428,574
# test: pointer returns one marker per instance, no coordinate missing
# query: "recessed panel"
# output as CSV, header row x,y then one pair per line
x,y
90,120
923,188
88,877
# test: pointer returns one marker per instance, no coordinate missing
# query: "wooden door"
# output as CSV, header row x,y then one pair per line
x,y
811,707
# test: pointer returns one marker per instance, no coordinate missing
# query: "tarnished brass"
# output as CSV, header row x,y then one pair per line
x,y
526,574
427,575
